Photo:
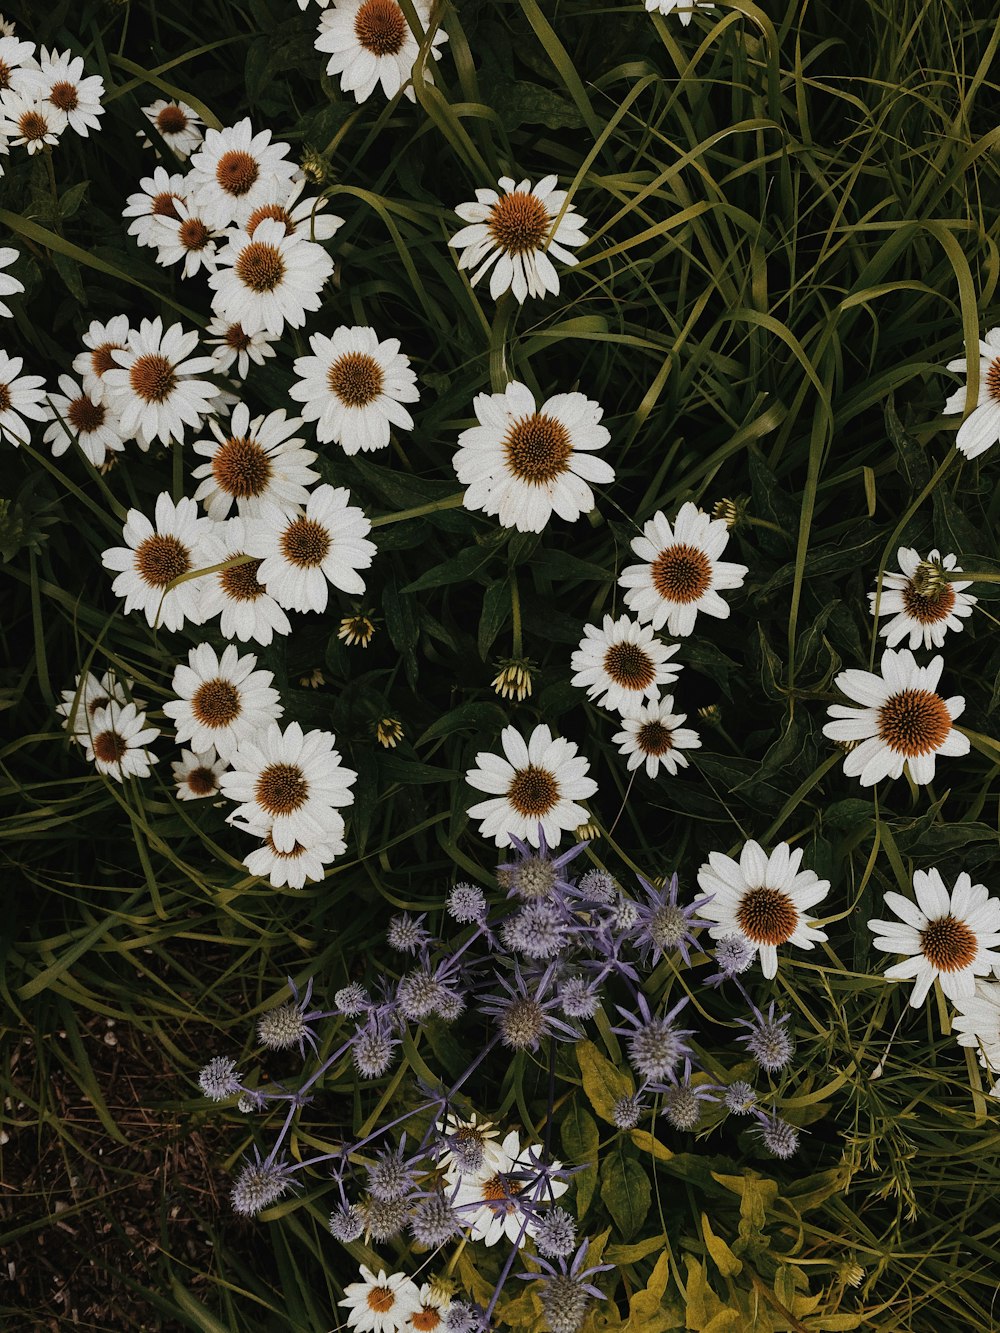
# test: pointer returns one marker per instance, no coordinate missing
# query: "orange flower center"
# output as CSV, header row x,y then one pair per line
x,y
5,399
948,944
64,95
380,27
914,722
629,666
236,172
355,378
993,379
426,1318
682,573
171,120
533,791
85,416
162,206
216,703
160,559
381,1299
927,610
519,222
33,126
654,738
767,916
282,788
4,75
201,781
101,359
274,211
193,233
260,267
538,449
305,543
242,468
152,377
241,582
109,747
236,338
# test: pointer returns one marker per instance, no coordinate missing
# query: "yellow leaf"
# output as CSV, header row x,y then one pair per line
x,y
646,1142
725,1261
603,1082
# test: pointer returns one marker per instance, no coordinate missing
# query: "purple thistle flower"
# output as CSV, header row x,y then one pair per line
x,y
555,1233
466,1317
407,934
734,955
466,903
566,1293
261,1182
740,1097
539,930
219,1079
768,1040
392,1175
288,1024
419,993
346,1223
596,887
579,998
656,1045
523,1013
662,926
434,1221
372,1048
536,874
628,1111
682,1100
352,1000
779,1137
384,1218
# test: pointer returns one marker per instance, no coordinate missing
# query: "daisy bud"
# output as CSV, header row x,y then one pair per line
x,y
729,511
315,167
388,732
357,629
513,680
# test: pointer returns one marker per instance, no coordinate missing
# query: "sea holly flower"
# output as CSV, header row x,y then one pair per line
x,y
768,1039
762,899
923,602
950,936
537,874
369,42
902,721
516,234
779,1137
260,1183
656,1045
566,1293
662,925
524,1012
981,428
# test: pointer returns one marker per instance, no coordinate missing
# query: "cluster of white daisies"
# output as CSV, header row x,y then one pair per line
x,y
42,94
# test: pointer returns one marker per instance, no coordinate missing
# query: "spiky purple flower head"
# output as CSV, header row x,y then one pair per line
x,y
734,954
392,1174
419,993
682,1103
219,1079
384,1218
656,1045
407,934
261,1182
768,1039
524,1012
466,903
662,925
372,1048
346,1223
779,1137
555,1233
288,1024
566,1293
466,1317
539,930
536,874
740,1097
596,886
434,1221
579,998
352,1000
628,1111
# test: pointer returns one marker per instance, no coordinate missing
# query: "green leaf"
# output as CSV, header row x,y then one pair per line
x,y
69,270
581,1142
625,1190
456,570
604,1083
495,614
912,455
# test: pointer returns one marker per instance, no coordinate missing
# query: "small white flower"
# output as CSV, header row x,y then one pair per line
x,y
432,1312
235,171
58,82
654,735
153,557
221,701
245,608
156,199
380,1304
515,234
187,240
623,664
981,428
180,127
499,1215
683,574
20,396
301,554
291,869
353,387
27,122
522,462
197,775
270,279
289,784
88,696
78,417
902,721
232,344
924,616
369,42
977,1022
16,60
117,739
539,782
255,462
684,9
100,341
9,285
154,386
763,899
949,937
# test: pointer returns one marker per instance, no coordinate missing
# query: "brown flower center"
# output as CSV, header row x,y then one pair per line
x,y
4,75
533,791
499,1189
426,1318
236,338
160,559
64,95
171,120
216,703
260,267
538,449
356,379
101,701
654,738
84,415
101,359
163,206
5,398
519,222
152,377
33,126
305,543
282,788
380,27
201,781
273,211
296,851
242,468
927,610
109,747
767,916
241,582
193,233
948,944
993,379
629,666
236,172
914,722
682,573
381,1299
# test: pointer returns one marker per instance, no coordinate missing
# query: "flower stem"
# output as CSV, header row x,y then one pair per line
x,y
432,507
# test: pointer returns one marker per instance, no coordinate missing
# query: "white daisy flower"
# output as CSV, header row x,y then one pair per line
x,y
255,462
684,9
380,1304
483,1132
157,198
15,58
153,557
523,462
432,1312
236,595
623,664
117,739
949,937
27,122
289,784
269,280
78,417
498,1215
540,782
87,697
187,240
977,1022
763,899
925,613
20,396
100,341
9,285
154,386
197,775
902,721
654,735
683,573
233,344
981,428
300,554
179,125
304,216
369,42
291,869
235,171
58,81
221,701
353,387
512,233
